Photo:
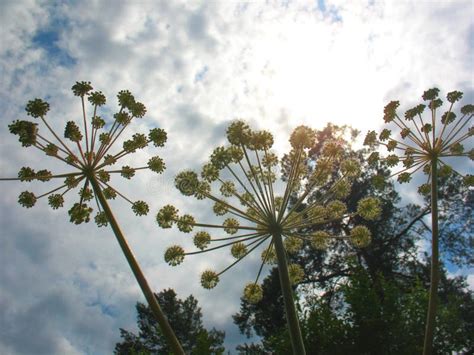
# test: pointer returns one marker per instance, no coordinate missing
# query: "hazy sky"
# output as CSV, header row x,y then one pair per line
x,y
67,289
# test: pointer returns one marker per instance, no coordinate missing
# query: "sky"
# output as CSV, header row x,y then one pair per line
x,y
66,289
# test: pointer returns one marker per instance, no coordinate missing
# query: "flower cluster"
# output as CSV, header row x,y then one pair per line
x,y
423,140
88,155
243,174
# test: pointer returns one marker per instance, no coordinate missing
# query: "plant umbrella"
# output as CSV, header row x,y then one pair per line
x,y
92,166
245,173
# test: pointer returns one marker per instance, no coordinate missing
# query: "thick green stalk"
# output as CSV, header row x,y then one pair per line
x,y
168,332
433,300
290,310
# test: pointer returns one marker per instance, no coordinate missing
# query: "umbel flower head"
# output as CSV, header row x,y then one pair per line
x,y
240,181
424,137
86,152
425,144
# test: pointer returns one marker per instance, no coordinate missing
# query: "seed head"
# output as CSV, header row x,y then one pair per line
x,y
27,199
238,133
140,208
369,208
97,98
26,132
56,201
158,136
81,88
37,108
296,273
427,141
269,255
302,137
185,223
127,172
202,239
293,244
125,98
351,168
80,213
250,170
220,208
220,157
101,219
390,111
26,174
186,182
320,240
228,189
209,279
156,164
231,225
210,173
253,293
174,255
72,132
167,216
360,236
238,250
90,155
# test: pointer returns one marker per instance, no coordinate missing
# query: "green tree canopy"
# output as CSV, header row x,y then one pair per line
x,y
186,319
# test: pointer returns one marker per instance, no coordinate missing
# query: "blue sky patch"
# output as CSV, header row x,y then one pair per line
x,y
107,309
329,12
201,74
48,41
47,37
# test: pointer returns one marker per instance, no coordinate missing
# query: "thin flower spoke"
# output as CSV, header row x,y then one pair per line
x,y
50,192
265,258
257,235
256,179
116,191
254,202
257,243
289,186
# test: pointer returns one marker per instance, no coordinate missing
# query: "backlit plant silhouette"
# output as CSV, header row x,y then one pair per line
x,y
424,145
245,174
89,157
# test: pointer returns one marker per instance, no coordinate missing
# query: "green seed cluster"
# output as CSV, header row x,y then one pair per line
x,y
244,174
253,293
425,138
86,148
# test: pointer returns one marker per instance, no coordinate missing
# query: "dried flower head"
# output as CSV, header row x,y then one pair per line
x,y
253,293
424,139
91,164
253,212
88,155
425,144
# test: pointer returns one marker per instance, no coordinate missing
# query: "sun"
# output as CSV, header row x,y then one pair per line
x,y
317,73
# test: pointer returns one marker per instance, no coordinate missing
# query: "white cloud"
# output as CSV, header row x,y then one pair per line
x,y
276,65
470,282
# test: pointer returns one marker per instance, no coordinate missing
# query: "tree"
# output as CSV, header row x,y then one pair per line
x,y
185,318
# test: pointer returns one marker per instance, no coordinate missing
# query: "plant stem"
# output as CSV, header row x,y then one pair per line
x,y
290,310
433,300
150,297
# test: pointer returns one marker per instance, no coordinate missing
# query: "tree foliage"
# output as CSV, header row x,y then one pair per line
x,y
184,316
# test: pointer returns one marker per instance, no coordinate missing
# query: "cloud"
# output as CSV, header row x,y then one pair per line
x,y
196,67
470,282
